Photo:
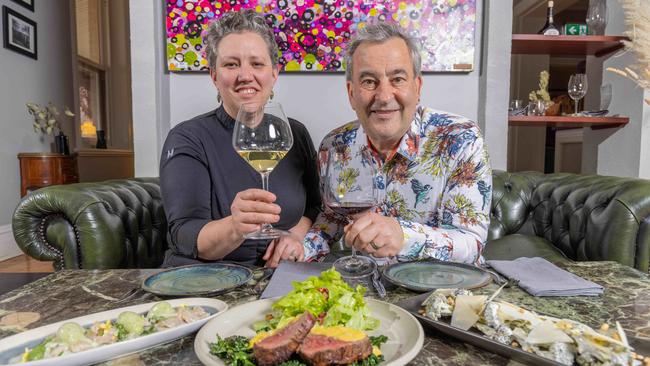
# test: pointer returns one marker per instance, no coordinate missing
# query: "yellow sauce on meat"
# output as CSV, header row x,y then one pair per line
x,y
339,332
259,336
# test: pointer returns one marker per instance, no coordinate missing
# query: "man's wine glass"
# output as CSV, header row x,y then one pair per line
x,y
262,136
349,190
577,88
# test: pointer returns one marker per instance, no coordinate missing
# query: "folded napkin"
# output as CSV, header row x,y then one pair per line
x,y
539,277
287,272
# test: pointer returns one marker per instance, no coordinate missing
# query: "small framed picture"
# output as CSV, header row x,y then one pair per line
x,y
19,33
29,4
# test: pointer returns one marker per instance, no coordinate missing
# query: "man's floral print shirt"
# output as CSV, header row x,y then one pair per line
x,y
438,186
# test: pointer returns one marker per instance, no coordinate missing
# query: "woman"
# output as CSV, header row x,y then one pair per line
x,y
212,197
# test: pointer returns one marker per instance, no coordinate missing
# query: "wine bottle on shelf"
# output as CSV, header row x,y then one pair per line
x,y
549,28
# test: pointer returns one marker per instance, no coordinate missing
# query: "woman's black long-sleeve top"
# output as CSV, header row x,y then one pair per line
x,y
200,174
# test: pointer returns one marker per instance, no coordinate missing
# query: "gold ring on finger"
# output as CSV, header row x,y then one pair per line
x,y
374,245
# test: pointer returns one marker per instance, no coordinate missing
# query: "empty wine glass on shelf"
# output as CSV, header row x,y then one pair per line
x,y
536,107
596,16
577,88
348,191
262,136
516,107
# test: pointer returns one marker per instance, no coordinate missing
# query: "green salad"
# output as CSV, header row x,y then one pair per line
x,y
328,298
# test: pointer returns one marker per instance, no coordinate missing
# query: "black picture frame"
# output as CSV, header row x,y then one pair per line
x,y
19,33
29,4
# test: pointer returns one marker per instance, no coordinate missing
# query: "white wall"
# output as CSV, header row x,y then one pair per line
x,y
623,151
149,85
317,100
24,79
495,68
320,101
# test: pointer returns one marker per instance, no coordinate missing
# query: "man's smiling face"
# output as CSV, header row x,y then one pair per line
x,y
383,90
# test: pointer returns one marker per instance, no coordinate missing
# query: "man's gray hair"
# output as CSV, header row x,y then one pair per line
x,y
238,22
380,33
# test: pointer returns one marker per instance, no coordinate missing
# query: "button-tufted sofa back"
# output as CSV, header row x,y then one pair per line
x,y
121,223
587,217
111,224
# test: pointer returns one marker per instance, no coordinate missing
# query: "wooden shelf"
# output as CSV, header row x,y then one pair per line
x,y
568,121
566,45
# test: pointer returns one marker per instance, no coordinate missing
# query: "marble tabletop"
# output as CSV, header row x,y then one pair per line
x,y
71,293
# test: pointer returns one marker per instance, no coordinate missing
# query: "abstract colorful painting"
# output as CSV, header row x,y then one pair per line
x,y
312,34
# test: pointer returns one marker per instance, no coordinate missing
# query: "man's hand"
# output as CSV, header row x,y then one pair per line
x,y
375,234
287,247
251,208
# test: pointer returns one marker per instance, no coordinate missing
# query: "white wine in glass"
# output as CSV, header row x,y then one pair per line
x,y
262,161
262,136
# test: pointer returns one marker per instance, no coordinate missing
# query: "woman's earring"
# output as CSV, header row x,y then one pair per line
x,y
219,98
272,95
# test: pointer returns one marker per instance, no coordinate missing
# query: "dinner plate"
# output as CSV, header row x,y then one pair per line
x,y
425,276
14,346
197,280
405,334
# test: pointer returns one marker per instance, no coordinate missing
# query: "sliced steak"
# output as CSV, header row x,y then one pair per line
x,y
322,350
279,347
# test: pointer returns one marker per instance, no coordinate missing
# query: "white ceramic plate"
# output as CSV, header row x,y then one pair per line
x,y
13,346
404,332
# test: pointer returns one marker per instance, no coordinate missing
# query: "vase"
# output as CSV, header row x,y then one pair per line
x,y
61,144
101,139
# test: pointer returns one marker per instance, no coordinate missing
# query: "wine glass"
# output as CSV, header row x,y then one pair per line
x,y
605,96
348,191
262,136
577,88
596,16
516,107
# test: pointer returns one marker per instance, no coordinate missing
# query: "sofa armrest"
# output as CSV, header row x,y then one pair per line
x,y
112,224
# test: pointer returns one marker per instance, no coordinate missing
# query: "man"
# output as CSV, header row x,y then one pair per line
x,y
434,180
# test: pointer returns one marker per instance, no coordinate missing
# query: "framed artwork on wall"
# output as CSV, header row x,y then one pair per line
x,y
29,4
312,34
19,33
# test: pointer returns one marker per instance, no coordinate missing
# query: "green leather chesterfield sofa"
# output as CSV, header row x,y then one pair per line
x,y
121,223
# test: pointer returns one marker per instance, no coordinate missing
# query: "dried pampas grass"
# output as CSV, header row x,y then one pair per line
x,y
637,18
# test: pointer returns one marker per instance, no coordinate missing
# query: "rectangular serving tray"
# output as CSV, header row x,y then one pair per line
x,y
414,304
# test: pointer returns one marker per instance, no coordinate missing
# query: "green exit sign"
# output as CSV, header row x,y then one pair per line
x,y
572,29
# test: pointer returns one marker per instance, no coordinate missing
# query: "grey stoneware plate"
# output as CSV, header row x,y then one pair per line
x,y
427,275
198,280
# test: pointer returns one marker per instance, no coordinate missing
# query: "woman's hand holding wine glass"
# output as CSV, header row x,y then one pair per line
x,y
251,209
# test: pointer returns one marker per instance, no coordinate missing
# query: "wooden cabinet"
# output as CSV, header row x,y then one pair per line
x,y
39,170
